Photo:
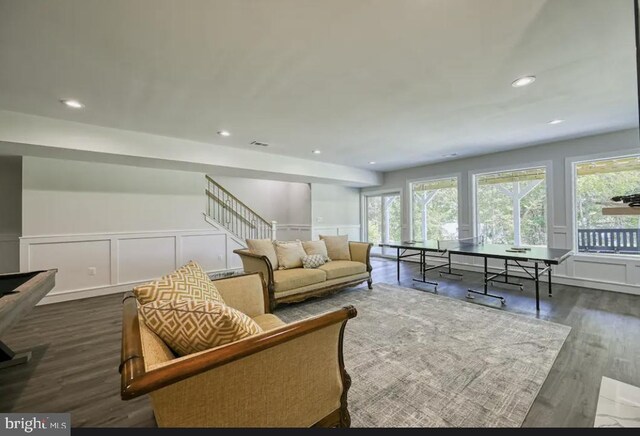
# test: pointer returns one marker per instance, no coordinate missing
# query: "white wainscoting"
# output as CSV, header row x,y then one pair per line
x,y
586,271
99,264
291,232
9,252
347,229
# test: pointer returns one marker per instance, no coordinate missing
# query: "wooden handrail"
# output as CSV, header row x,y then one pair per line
x,y
220,187
212,196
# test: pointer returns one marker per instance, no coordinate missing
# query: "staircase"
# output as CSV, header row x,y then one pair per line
x,y
225,210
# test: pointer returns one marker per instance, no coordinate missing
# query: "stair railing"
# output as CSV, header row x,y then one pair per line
x,y
235,216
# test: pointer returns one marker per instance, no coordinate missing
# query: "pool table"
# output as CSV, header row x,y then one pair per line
x,y
19,293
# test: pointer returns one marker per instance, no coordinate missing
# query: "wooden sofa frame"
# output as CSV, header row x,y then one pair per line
x,y
137,381
267,273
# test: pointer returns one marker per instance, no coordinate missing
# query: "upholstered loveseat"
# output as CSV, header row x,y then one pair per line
x,y
297,284
290,375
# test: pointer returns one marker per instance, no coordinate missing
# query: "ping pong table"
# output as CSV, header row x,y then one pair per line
x,y
534,262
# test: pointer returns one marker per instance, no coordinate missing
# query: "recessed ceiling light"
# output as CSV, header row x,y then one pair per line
x,y
372,163
523,81
224,133
316,152
554,122
450,155
75,104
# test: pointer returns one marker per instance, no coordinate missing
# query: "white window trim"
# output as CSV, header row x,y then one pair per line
x,y
570,184
457,176
364,228
547,165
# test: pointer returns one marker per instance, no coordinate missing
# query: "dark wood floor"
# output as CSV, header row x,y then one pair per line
x,y
77,350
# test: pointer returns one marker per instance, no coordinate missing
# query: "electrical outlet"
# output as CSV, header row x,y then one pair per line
x,y
92,271
320,219
219,257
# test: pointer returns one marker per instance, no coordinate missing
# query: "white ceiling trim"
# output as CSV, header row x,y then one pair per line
x,y
47,137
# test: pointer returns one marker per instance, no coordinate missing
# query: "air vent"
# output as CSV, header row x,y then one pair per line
x,y
261,144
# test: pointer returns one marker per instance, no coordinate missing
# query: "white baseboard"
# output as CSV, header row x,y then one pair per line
x,y
557,278
80,294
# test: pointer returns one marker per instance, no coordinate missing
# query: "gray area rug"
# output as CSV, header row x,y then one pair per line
x,y
423,360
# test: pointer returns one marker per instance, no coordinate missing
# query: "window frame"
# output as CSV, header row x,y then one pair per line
x,y
571,179
364,225
409,189
548,167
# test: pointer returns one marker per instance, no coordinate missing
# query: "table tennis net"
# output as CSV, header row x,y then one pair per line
x,y
457,244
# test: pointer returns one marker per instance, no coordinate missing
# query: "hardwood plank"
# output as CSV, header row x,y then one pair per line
x,y
77,351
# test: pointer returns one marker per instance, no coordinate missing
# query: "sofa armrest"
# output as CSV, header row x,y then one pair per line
x,y
304,375
299,365
255,263
361,252
246,292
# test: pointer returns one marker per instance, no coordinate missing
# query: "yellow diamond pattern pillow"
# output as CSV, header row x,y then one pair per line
x,y
189,326
189,281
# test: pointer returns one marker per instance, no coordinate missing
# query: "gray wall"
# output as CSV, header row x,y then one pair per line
x,y
10,213
284,202
334,205
626,141
63,197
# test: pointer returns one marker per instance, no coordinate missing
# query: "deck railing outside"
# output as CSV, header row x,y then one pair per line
x,y
620,241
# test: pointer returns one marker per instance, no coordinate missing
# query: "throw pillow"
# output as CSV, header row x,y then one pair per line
x,y
264,247
189,326
313,260
187,282
316,247
337,247
289,254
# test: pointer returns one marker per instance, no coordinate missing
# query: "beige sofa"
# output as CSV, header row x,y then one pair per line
x,y
297,284
290,375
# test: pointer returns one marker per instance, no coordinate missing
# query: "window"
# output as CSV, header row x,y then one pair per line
x,y
383,219
596,182
434,209
511,207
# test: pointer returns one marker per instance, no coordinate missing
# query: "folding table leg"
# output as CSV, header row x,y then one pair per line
x,y
537,278
398,263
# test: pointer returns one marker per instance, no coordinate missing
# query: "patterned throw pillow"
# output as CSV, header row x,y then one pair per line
x,y
313,260
189,281
189,326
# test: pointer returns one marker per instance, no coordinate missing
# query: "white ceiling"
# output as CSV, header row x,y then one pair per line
x,y
399,82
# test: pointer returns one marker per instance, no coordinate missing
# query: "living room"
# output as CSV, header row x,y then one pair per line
x,y
406,208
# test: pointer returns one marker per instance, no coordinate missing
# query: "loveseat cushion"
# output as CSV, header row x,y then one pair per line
x,y
287,279
264,247
190,326
187,282
316,247
268,321
342,268
337,247
289,254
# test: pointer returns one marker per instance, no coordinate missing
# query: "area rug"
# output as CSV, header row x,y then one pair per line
x,y
422,360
